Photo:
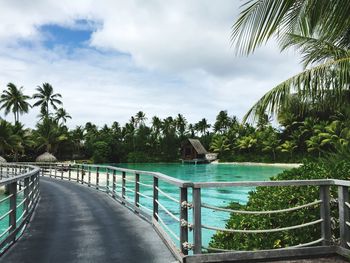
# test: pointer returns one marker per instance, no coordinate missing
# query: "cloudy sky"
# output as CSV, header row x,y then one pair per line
x,y
110,58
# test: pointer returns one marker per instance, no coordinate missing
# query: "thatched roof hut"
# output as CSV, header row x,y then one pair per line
x,y
192,149
2,160
46,157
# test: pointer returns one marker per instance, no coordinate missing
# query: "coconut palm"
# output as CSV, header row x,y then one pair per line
x,y
46,97
181,123
220,145
9,142
13,100
318,29
288,147
222,122
140,118
62,114
49,135
202,126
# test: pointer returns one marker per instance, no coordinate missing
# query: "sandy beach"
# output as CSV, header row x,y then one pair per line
x,y
290,165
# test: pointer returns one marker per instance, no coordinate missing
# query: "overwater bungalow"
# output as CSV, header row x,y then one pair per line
x,y
192,151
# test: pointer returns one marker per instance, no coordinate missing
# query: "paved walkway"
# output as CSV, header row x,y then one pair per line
x,y
73,223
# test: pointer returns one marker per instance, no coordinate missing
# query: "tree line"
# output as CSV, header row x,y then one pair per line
x,y
309,133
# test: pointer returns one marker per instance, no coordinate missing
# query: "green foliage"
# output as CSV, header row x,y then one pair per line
x,y
275,198
101,152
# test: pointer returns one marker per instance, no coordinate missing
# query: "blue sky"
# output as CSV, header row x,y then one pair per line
x,y
110,59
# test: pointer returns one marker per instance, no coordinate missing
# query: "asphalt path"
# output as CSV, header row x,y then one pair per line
x,y
74,223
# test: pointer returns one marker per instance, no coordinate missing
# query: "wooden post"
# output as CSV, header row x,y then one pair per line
x,y
183,219
13,208
55,170
89,176
62,168
69,172
137,190
123,185
155,198
325,214
197,221
97,177
344,215
107,182
114,185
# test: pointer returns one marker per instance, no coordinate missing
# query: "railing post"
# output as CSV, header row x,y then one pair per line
x,y
123,186
62,170
82,174
183,220
77,173
26,194
155,198
13,209
344,215
114,185
97,177
325,215
55,167
31,190
197,221
107,182
69,172
137,190
89,176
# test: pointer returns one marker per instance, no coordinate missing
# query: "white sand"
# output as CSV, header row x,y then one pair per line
x,y
291,165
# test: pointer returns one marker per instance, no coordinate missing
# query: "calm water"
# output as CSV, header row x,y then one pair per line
x,y
217,196
197,173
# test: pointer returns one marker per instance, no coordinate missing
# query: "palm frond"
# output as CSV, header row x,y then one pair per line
x,y
310,85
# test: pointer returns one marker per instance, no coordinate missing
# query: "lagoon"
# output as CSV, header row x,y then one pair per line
x,y
205,173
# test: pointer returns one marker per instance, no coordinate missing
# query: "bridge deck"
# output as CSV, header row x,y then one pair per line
x,y
73,223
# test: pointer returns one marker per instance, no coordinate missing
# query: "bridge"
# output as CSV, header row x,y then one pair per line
x,y
87,213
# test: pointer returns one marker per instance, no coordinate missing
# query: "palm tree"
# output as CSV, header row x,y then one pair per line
x,y
222,122
14,100
9,142
140,118
49,135
62,114
46,97
318,29
288,147
220,145
203,126
181,123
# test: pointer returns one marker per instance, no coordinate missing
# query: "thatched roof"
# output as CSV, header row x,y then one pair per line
x,y
2,160
198,146
46,157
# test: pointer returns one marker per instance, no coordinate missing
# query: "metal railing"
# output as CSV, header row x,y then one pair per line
x,y
21,186
147,194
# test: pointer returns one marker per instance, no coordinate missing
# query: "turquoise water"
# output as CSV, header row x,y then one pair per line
x,y
4,208
214,196
197,173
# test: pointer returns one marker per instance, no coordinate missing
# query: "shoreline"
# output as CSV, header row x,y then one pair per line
x,y
291,165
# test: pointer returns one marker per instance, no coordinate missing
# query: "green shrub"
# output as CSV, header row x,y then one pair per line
x,y
275,198
101,152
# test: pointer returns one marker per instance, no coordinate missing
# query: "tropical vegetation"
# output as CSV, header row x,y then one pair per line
x,y
313,108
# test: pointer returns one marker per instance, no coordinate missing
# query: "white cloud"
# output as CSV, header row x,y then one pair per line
x,y
177,58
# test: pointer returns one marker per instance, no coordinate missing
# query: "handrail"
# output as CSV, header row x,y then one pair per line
x,y
261,212
104,178
20,181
